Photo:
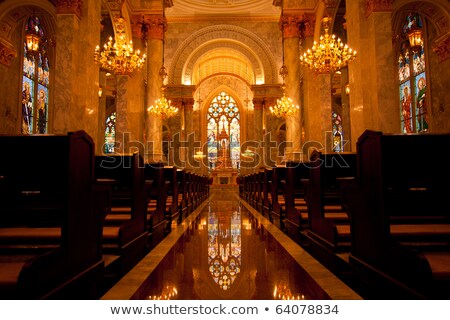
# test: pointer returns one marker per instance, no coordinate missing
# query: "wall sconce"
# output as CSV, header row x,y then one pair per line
x,y
347,89
100,91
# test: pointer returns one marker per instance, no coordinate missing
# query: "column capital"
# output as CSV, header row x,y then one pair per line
x,y
153,26
258,103
291,25
309,23
442,48
7,53
378,6
69,7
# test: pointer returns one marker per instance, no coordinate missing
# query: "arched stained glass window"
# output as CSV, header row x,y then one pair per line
x,y
110,133
338,134
223,131
412,80
35,83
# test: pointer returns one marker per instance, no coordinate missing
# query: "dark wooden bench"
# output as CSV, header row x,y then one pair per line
x,y
125,231
157,217
400,215
182,193
329,224
172,202
278,205
297,173
50,228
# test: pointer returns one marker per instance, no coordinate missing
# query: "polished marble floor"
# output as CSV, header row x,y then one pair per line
x,y
227,250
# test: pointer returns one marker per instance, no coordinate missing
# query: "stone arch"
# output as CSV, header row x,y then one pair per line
x,y
249,44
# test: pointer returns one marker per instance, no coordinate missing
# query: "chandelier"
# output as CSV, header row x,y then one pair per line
x,y
119,57
163,108
329,55
33,36
285,106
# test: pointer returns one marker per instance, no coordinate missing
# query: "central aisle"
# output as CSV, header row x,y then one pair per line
x,y
225,253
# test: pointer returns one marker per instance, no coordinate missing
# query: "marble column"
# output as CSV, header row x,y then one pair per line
x,y
123,123
290,26
317,104
189,130
155,26
372,99
66,54
258,106
101,113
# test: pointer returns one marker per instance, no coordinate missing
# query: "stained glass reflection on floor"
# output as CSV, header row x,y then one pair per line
x,y
227,254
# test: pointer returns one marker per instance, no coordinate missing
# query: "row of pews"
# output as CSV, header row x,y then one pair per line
x,y
72,223
379,217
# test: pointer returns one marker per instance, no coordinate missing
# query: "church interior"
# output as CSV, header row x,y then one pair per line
x,y
224,149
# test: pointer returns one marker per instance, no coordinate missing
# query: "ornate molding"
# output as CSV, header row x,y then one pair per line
x,y
291,26
153,26
378,6
69,7
442,48
7,53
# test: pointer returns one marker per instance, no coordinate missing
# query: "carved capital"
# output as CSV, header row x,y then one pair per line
x,y
309,23
291,25
442,48
258,103
378,6
69,7
154,26
7,53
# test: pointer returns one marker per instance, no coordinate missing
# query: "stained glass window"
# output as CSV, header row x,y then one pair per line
x,y
223,131
338,133
110,133
412,80
35,83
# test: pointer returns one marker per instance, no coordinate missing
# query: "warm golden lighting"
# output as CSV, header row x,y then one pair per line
x,y
163,107
347,89
168,292
415,37
32,40
283,292
199,155
119,57
329,55
100,91
285,106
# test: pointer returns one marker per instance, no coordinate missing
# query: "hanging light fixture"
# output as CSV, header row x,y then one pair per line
x,y
117,56
163,107
415,37
330,54
33,36
285,106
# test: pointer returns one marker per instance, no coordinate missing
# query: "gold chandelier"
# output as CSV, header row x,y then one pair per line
x,y
163,108
330,54
119,57
285,106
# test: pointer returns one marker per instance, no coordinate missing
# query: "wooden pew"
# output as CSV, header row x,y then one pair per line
x,y
267,193
50,234
157,218
182,193
329,224
278,205
297,173
172,202
400,215
125,231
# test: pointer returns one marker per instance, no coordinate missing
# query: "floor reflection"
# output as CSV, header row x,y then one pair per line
x,y
228,254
